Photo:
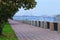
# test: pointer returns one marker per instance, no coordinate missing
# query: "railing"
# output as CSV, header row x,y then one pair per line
x,y
37,18
51,23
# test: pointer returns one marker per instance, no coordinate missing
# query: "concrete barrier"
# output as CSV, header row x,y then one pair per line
x,y
35,23
48,25
59,27
32,22
45,25
39,24
42,24
55,26
51,26
29,22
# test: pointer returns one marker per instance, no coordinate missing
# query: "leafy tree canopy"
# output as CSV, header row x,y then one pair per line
x,y
9,7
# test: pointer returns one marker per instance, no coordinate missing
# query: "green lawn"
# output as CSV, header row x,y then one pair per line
x,y
8,33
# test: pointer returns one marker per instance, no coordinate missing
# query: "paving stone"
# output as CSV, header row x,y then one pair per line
x,y
29,32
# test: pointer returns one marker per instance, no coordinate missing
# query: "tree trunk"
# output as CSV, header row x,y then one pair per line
x,y
1,29
2,23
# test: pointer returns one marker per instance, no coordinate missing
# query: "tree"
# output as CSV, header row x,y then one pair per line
x,y
9,7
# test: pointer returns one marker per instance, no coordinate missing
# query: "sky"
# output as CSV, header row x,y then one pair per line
x,y
43,8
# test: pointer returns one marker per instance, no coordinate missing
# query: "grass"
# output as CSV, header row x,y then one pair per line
x,y
8,33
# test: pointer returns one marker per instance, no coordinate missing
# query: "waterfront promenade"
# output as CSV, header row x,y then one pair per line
x,y
29,32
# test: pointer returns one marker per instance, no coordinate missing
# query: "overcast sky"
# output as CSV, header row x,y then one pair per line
x,y
43,7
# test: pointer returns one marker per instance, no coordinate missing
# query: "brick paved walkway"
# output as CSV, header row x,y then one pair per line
x,y
28,32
